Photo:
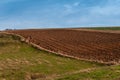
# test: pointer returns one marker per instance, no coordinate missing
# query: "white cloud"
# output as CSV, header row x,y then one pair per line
x,y
71,8
106,10
111,8
68,9
76,4
106,14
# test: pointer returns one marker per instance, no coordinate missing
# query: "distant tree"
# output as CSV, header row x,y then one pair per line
x,y
7,29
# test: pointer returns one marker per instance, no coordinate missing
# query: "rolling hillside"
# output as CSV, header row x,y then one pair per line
x,y
103,47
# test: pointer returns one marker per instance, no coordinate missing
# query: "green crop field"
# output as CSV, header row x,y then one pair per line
x,y
20,61
105,28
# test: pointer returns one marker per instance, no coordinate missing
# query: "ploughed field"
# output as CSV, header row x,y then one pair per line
x,y
86,45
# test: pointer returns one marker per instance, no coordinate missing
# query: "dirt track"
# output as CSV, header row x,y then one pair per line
x,y
82,44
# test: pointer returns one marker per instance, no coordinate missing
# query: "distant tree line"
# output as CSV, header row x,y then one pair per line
x,y
9,29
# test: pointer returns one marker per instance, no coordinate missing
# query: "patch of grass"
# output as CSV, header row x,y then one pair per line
x,y
106,73
105,28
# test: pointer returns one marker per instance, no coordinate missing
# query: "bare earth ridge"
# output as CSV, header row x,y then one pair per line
x,y
89,45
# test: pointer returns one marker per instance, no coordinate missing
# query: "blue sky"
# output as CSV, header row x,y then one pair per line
x,y
17,14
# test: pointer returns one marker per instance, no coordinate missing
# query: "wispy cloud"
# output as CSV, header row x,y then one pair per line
x,y
71,8
107,14
76,4
110,8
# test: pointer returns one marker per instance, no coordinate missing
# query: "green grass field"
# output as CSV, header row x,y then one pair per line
x,y
104,73
105,28
20,61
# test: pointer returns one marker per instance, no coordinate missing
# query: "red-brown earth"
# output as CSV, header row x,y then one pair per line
x,y
82,44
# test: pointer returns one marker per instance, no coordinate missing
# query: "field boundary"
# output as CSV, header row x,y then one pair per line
x,y
103,31
57,53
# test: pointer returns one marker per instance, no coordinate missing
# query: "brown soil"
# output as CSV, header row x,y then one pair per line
x,y
81,44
